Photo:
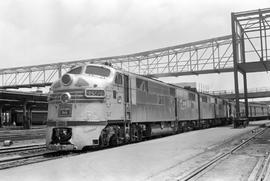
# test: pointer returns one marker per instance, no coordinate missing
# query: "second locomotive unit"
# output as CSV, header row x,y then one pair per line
x,y
98,105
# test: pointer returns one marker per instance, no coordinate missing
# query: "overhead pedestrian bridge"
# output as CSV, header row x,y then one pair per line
x,y
201,57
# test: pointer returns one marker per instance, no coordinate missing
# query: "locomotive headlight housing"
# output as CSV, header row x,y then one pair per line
x,y
65,97
66,79
93,93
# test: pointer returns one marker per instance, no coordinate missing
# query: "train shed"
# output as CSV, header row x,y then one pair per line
x,y
15,104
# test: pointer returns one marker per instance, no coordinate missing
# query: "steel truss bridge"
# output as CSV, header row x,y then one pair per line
x,y
201,57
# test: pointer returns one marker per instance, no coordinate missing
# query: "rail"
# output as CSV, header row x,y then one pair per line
x,y
21,148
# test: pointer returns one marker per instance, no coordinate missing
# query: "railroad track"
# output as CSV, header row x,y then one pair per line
x,y
46,155
16,160
20,160
22,135
197,172
22,148
29,159
16,156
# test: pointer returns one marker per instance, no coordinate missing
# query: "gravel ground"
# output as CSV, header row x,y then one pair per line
x,y
159,159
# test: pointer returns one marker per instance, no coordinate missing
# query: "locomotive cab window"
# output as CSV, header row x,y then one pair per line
x,y
77,70
118,79
95,70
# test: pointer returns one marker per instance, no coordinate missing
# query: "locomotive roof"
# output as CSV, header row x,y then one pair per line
x,y
168,84
159,81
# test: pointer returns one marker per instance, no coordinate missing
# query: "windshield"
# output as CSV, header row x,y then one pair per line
x,y
77,70
101,71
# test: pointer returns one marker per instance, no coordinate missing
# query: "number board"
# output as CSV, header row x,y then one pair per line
x,y
65,110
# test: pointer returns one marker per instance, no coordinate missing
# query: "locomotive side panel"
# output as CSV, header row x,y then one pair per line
x,y
207,109
187,103
154,102
221,108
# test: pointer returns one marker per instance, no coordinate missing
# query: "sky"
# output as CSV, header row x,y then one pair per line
x,y
34,32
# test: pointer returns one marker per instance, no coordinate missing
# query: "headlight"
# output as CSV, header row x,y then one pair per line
x,y
94,93
65,97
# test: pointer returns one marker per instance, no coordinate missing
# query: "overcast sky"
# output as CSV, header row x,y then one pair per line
x,y
50,31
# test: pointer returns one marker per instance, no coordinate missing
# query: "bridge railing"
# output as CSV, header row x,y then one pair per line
x,y
241,91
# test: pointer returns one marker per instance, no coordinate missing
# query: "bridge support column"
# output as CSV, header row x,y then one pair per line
x,y
26,119
239,57
29,115
9,117
237,106
245,94
235,67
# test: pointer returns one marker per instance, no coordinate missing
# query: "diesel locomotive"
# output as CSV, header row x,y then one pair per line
x,y
98,105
